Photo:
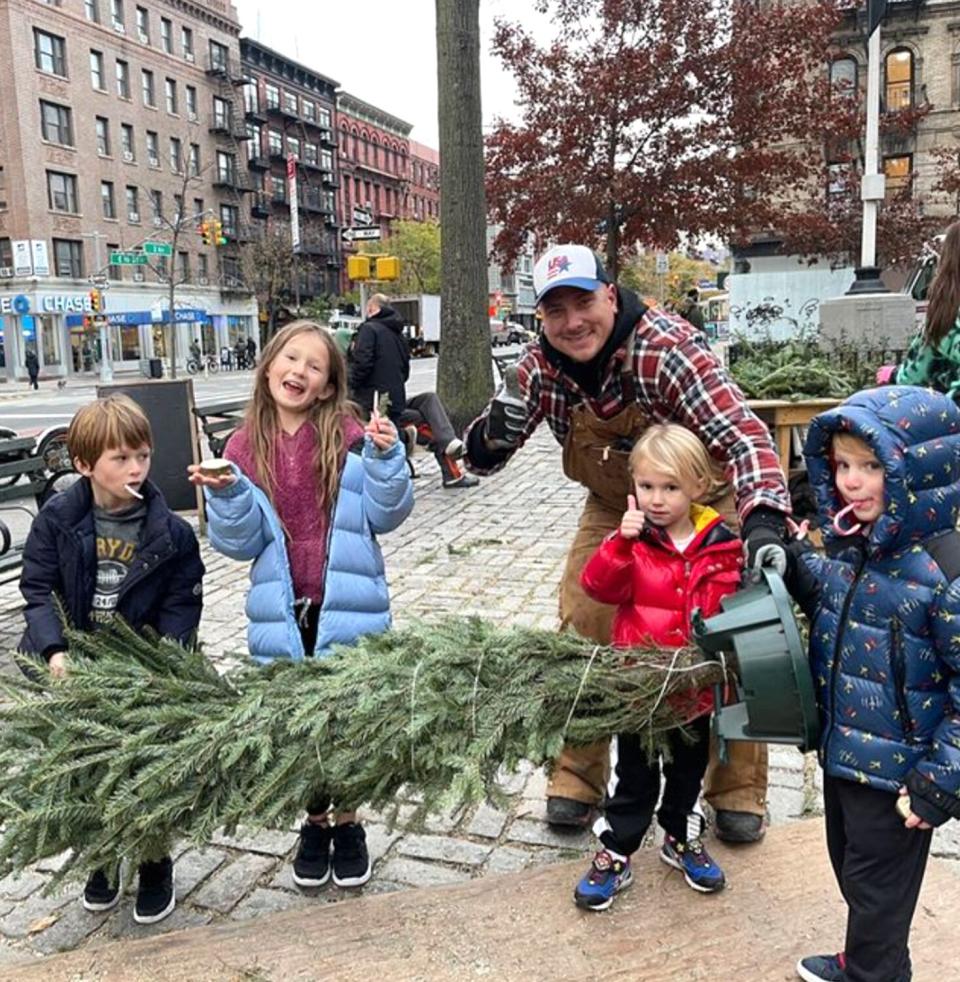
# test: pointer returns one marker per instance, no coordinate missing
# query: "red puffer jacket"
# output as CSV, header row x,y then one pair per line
x,y
656,589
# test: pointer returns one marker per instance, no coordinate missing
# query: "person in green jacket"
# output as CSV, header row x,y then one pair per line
x,y
933,358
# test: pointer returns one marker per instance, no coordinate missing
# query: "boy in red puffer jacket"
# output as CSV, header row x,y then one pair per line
x,y
669,557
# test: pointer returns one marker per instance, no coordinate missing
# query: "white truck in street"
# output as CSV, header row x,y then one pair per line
x,y
422,312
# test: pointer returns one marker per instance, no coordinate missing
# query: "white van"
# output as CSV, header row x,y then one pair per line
x,y
921,276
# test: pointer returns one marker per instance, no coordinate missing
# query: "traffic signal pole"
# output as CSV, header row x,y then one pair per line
x,y
106,357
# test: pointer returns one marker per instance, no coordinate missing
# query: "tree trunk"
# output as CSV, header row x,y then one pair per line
x,y
464,374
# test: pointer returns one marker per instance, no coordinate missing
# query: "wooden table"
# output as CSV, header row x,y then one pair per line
x,y
781,416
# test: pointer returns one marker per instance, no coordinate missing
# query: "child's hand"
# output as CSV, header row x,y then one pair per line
x,y
799,532
216,483
910,821
631,525
58,664
382,432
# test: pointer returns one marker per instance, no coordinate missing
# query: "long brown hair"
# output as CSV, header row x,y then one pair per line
x,y
326,416
944,290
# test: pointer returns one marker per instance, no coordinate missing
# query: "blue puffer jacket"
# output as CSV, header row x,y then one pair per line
x,y
885,617
376,495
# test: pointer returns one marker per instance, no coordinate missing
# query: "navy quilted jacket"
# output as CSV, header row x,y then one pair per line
x,y
885,618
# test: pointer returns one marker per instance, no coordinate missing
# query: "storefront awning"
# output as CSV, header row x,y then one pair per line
x,y
131,318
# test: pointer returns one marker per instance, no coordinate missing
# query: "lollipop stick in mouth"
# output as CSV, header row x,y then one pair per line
x,y
131,490
838,528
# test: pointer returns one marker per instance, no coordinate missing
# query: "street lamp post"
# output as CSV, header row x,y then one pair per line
x,y
106,357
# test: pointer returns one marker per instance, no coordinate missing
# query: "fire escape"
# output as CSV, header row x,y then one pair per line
x,y
230,131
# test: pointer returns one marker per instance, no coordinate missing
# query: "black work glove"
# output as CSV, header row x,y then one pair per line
x,y
764,541
508,414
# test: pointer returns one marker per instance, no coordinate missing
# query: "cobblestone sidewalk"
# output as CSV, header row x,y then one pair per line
x,y
497,551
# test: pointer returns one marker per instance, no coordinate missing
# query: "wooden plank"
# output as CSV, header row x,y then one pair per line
x,y
782,903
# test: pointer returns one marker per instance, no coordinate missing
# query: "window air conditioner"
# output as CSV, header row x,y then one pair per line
x,y
128,156
202,280
157,221
154,161
138,276
134,216
193,117
189,56
119,28
6,272
144,38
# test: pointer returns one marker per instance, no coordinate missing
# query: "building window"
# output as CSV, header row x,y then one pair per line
x,y
55,124
186,42
96,71
50,53
103,136
183,267
62,192
293,146
219,56
275,142
309,110
176,155
198,208
310,153
251,98
114,272
898,171
143,25
326,160
177,207
230,219
107,199
126,143
149,91
170,90
195,159
133,204
898,74
166,35
272,95
153,149
92,9
68,258
324,117
290,102
116,12
156,204
226,167
278,187
191,91
221,112
202,267
123,79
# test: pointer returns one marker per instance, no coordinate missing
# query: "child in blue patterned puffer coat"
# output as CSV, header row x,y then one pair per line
x,y
884,609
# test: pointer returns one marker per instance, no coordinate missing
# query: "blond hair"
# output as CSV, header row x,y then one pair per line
x,y
851,443
109,423
673,450
326,415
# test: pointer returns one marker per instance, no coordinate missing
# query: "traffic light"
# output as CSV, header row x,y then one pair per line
x,y
388,268
358,267
87,322
218,237
96,301
206,232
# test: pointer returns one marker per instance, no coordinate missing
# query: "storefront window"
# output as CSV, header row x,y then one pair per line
x,y
49,331
125,343
160,340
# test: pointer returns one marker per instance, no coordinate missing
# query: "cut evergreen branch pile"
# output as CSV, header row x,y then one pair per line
x,y
145,743
791,370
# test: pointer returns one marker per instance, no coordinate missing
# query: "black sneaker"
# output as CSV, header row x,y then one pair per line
x,y
740,827
156,896
98,894
463,481
351,861
822,968
311,866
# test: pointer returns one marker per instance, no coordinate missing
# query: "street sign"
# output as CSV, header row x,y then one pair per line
x,y
128,259
663,263
158,249
352,234
362,216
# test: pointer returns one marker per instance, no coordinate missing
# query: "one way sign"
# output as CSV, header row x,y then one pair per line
x,y
351,234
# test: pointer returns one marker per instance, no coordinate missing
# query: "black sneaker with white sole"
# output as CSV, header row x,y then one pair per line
x,y
311,865
156,895
99,893
351,861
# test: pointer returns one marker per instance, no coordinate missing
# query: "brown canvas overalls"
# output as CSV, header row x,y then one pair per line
x,y
596,453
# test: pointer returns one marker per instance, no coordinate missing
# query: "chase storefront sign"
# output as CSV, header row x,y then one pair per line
x,y
57,303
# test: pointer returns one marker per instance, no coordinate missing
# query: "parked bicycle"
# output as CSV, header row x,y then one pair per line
x,y
195,364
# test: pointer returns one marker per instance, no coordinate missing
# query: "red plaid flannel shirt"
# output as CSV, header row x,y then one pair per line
x,y
678,380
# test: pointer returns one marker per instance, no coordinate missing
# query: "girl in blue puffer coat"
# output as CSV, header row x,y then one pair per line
x,y
310,490
884,609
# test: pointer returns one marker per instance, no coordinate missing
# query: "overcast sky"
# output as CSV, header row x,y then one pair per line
x,y
382,51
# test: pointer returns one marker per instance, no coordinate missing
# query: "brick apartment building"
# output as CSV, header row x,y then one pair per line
x,y
374,150
423,187
117,118
290,112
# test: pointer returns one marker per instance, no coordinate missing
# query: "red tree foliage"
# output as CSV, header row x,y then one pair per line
x,y
647,120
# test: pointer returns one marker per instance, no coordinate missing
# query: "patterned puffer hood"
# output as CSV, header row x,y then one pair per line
x,y
884,608
915,434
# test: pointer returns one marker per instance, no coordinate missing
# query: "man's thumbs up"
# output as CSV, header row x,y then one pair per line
x,y
631,525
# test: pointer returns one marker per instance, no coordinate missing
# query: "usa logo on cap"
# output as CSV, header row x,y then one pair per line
x,y
557,265
570,265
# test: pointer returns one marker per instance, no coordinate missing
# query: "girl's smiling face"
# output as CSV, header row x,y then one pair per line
x,y
298,377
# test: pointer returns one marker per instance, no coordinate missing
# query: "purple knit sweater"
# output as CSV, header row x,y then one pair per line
x,y
295,499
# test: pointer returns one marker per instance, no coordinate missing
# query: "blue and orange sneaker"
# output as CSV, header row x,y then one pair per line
x,y
607,876
822,968
696,864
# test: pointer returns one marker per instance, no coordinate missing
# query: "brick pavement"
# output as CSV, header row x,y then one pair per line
x,y
495,551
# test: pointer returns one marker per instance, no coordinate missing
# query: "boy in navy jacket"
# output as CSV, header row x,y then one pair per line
x,y
109,546
884,609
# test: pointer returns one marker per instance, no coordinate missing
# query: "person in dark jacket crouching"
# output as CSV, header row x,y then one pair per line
x,y
109,546
884,605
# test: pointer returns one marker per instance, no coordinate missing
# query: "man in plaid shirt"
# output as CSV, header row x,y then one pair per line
x,y
603,369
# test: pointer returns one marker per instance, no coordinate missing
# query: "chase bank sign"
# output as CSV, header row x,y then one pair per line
x,y
57,303
19,304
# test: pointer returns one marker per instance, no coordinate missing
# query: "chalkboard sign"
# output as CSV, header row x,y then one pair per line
x,y
168,405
